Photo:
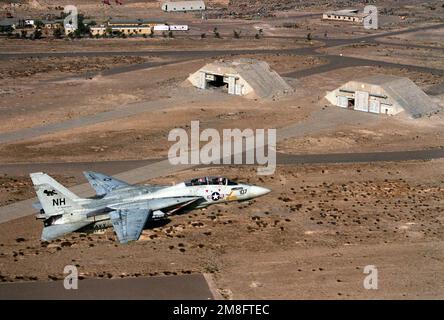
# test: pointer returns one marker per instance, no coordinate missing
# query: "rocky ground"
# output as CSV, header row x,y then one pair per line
x,y
389,135
16,188
26,67
387,53
320,223
312,236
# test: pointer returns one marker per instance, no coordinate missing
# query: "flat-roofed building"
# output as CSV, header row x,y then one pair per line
x,y
127,27
349,15
52,24
126,30
183,6
136,22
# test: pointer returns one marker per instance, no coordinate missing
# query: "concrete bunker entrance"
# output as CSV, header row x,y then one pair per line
x,y
242,77
217,81
351,103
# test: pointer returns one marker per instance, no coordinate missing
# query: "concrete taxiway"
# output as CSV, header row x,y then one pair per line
x,y
151,170
186,287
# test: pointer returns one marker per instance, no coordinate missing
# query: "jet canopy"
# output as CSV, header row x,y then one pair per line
x,y
210,181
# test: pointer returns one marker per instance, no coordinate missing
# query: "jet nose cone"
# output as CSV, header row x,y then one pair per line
x,y
259,191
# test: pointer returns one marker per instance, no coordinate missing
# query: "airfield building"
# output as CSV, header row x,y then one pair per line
x,y
383,94
350,15
127,30
52,24
183,6
136,22
127,27
244,77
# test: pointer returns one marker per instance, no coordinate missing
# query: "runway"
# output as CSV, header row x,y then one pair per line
x,y
180,287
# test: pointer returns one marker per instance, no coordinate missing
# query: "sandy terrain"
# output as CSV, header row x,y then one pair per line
x,y
282,63
312,236
140,136
28,67
98,95
138,133
41,92
426,38
16,188
319,227
403,55
140,44
169,96
387,134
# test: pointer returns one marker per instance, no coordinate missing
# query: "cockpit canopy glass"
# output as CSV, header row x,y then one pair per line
x,y
210,181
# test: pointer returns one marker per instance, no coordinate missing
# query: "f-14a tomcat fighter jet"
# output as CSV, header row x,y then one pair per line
x,y
127,208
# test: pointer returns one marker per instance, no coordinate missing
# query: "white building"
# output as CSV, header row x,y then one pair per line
x,y
165,27
183,6
69,28
126,30
383,94
350,15
29,22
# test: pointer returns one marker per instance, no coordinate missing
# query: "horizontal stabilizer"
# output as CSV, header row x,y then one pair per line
x,y
102,183
37,205
58,230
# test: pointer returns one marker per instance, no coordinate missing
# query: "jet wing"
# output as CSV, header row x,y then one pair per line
x,y
128,220
128,223
102,183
